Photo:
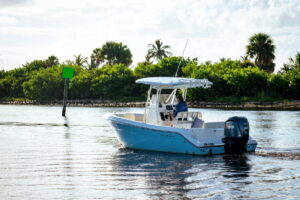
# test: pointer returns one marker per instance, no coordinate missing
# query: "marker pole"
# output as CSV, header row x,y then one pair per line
x,y
66,86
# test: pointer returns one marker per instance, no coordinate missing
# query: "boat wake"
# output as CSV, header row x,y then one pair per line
x,y
66,123
282,155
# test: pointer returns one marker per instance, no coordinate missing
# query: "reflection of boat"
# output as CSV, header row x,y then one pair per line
x,y
236,166
163,176
155,131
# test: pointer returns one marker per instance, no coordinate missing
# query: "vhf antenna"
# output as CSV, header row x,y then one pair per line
x,y
181,57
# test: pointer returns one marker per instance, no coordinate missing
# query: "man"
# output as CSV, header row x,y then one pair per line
x,y
181,106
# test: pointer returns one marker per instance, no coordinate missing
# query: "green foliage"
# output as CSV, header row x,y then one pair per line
x,y
246,63
12,82
290,78
165,67
247,82
34,65
278,86
113,82
81,84
44,84
145,69
293,77
38,64
2,74
3,88
230,78
262,48
233,80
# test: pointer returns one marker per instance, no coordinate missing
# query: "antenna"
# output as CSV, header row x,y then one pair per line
x,y
181,57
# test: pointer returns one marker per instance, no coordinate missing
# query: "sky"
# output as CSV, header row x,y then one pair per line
x,y
36,29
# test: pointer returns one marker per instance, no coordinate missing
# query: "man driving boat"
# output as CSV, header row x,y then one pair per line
x,y
181,106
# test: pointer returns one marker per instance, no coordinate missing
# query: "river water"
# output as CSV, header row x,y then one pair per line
x,y
46,156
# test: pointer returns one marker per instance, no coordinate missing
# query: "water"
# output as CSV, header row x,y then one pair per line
x,y
45,156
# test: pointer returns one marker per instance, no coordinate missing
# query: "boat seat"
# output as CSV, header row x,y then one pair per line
x,y
181,116
188,116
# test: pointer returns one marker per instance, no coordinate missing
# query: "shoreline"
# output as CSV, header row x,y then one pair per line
x,y
291,105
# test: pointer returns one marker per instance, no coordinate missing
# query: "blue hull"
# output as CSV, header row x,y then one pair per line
x,y
142,138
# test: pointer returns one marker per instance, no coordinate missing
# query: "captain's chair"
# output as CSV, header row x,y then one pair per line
x,y
188,116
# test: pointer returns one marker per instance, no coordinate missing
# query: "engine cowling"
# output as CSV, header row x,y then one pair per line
x,y
236,134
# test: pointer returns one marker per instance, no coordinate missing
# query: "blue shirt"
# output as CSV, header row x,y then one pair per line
x,y
180,107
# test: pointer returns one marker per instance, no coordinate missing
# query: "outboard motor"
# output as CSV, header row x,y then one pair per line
x,y
236,134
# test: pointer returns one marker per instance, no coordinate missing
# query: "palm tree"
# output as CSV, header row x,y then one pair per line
x,y
116,53
244,58
207,63
79,60
51,61
293,64
158,51
97,57
261,48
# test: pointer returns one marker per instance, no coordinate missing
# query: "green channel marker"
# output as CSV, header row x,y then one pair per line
x,y
68,72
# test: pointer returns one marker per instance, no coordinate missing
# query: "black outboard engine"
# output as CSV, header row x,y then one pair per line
x,y
236,134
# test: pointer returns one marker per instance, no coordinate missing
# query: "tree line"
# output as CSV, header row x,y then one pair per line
x,y
105,74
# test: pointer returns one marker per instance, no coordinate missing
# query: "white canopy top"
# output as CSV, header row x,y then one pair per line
x,y
175,82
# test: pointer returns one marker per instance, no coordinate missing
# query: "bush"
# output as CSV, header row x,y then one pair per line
x,y
293,77
80,85
45,84
165,67
12,82
278,86
230,78
3,85
233,80
250,81
113,82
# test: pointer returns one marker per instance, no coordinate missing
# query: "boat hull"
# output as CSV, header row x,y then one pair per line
x,y
142,136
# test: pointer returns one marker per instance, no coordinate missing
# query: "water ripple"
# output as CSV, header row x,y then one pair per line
x,y
49,157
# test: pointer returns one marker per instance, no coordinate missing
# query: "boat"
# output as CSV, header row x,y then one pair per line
x,y
156,130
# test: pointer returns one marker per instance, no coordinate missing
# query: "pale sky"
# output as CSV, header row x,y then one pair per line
x,y
35,29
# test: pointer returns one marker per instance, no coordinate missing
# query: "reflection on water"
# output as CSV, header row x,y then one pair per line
x,y
46,156
66,122
163,174
236,166
171,176
266,120
67,129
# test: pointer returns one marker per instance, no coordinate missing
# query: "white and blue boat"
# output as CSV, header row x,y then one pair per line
x,y
155,131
